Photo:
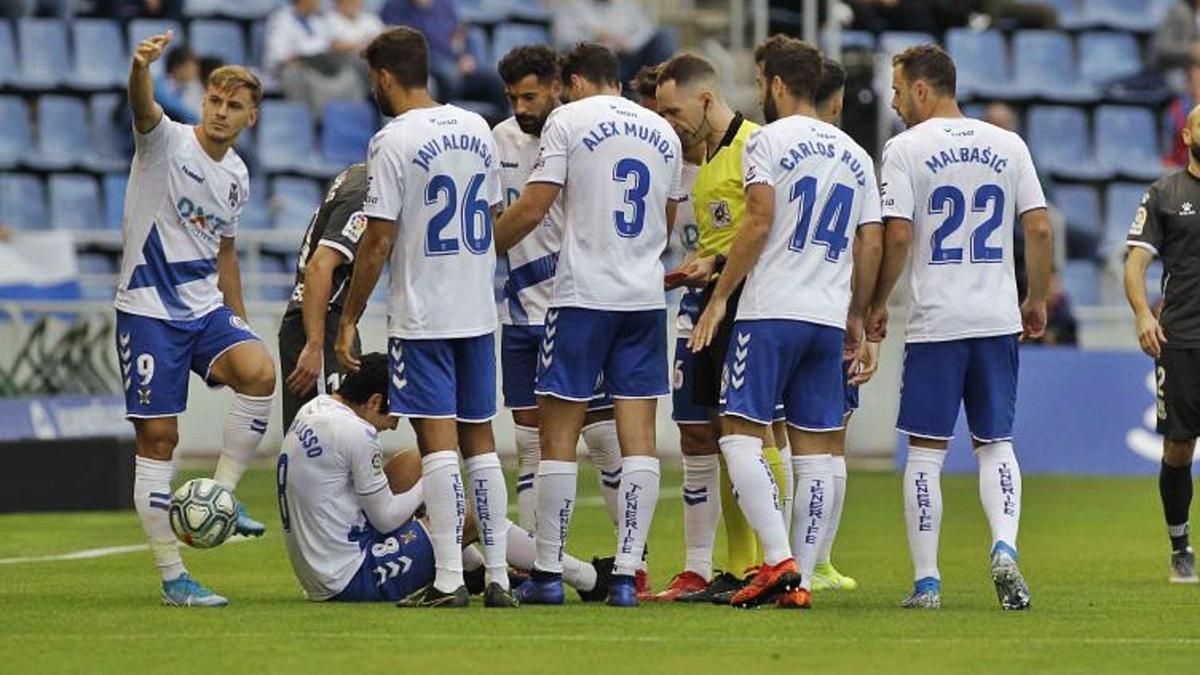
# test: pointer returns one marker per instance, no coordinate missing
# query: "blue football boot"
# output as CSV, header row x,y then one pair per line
x,y
184,591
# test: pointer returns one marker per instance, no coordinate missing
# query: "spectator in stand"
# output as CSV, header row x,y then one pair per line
x,y
1022,13
455,72
1179,31
300,54
623,26
925,16
351,27
1177,155
124,10
178,90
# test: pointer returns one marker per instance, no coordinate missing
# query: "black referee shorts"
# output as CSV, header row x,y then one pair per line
x,y
291,343
1178,394
709,363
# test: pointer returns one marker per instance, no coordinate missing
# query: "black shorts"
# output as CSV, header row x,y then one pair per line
x,y
709,363
1177,375
291,343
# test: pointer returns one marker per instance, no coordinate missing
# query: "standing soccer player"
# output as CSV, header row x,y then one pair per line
x,y
179,300
432,183
806,183
954,186
1165,226
618,166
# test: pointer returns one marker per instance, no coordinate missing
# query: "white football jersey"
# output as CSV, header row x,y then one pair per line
x,y
531,263
689,237
618,164
433,172
178,205
824,191
329,457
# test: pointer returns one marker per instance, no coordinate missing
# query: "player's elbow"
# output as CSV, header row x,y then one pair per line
x,y
1037,226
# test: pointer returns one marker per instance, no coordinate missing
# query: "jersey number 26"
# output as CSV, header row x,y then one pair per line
x,y
474,217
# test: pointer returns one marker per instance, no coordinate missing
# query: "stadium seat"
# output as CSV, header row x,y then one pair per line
x,y
256,214
346,130
1044,63
9,69
16,135
103,268
44,52
1106,56
510,35
62,134
75,202
1081,280
106,137
140,29
114,199
858,40
1058,137
250,10
271,289
981,58
222,39
1120,202
101,60
22,201
1080,205
201,8
1070,14
478,44
1123,15
1127,142
285,139
894,42
293,201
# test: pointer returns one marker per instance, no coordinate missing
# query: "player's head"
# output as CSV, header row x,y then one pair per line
x,y
788,72
590,69
398,59
1191,134
366,391
922,78
688,88
231,100
182,65
532,82
645,84
832,92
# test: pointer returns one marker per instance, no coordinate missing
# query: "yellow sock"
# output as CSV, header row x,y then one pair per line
x,y
740,542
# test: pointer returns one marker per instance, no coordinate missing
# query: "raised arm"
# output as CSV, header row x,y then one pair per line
x,y
146,112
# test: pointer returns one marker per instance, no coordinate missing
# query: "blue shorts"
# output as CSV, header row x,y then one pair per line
x,y
156,355
797,361
519,347
397,564
851,391
629,349
452,378
683,409
980,373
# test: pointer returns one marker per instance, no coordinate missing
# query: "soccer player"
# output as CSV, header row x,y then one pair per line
x,y
531,80
1164,226
179,300
953,188
618,167
432,182
325,263
806,182
348,518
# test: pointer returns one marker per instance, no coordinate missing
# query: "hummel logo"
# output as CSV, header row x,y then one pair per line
x,y
399,382
191,174
397,352
1187,209
509,165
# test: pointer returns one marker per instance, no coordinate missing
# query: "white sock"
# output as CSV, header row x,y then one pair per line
x,y
555,503
923,509
757,494
701,510
1000,491
814,478
490,496
152,498
639,497
245,426
529,450
605,452
522,551
446,505
472,558
788,489
835,498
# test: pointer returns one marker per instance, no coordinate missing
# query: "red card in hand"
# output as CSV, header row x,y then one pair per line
x,y
673,279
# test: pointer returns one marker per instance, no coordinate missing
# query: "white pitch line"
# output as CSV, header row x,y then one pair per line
x,y
89,553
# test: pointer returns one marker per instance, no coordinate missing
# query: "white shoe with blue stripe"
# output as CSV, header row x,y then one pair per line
x,y
184,591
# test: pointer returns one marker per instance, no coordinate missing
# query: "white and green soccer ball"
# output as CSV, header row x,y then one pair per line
x,y
202,513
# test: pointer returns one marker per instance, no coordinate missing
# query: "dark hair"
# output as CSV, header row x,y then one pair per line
x,y
370,378
795,62
179,56
594,63
403,52
645,82
833,78
686,68
930,63
526,60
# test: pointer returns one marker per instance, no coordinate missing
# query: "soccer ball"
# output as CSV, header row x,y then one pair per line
x,y
202,513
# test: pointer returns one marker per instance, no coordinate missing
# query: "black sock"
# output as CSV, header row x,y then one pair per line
x,y
1175,488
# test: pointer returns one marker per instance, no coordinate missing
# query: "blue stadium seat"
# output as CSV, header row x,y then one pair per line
x,y
1044,63
16,135
1106,56
1123,15
45,54
478,44
981,58
286,140
201,8
346,130
510,35
223,39
1127,141
114,199
293,202
894,42
256,214
9,68
1080,205
62,134
1070,13
1059,140
22,201
75,202
1081,280
101,60
140,29
858,40
106,137
1120,202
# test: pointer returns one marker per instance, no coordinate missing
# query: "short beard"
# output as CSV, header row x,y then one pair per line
x,y
530,124
1194,151
770,110
381,100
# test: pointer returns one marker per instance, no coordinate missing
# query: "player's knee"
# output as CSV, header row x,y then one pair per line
x,y
1178,453
158,444
259,379
697,439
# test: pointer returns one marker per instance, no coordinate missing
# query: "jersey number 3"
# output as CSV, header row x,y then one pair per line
x,y
475,217
950,196
625,171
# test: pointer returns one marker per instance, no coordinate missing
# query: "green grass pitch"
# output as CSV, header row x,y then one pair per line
x,y
1093,550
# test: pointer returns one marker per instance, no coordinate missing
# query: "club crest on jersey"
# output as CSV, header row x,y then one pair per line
x,y
1187,209
1139,222
144,396
722,214
239,323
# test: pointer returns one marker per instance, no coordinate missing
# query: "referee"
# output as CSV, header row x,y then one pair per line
x,y
1167,225
310,323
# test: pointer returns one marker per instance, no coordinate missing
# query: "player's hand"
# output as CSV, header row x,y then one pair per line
x,y
706,327
868,364
151,48
1150,335
308,368
696,271
854,337
344,347
876,323
1033,319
